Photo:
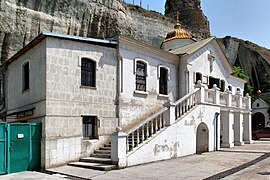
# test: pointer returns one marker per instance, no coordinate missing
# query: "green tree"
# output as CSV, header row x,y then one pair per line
x,y
239,72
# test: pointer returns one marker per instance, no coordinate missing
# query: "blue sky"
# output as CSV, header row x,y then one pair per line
x,y
244,19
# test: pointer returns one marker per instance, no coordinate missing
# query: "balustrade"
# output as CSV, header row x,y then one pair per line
x,y
146,129
157,121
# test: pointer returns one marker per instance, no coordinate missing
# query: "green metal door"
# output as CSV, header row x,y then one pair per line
x,y
19,147
3,148
35,156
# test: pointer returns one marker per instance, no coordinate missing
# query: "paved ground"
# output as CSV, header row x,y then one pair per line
x,y
245,162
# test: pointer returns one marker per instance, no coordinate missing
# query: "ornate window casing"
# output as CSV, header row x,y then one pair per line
x,y
164,77
141,73
26,76
88,72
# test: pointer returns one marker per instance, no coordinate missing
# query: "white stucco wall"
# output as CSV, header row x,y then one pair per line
x,y
136,106
263,108
34,97
67,101
199,62
178,139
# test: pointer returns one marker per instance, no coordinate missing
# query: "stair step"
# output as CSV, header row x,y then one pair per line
x,y
107,145
105,148
102,151
96,166
101,155
96,160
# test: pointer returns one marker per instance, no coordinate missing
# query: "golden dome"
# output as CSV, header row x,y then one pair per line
x,y
178,33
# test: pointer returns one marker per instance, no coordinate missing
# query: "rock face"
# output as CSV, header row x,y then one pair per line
x,y
191,16
255,60
22,20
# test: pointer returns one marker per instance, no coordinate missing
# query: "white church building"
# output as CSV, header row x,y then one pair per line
x,y
150,103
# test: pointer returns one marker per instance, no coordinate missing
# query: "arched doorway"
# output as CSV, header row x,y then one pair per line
x,y
202,139
258,121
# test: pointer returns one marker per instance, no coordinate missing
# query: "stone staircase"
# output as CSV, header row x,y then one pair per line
x,y
100,160
155,123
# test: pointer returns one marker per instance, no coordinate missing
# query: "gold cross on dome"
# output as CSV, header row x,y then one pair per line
x,y
177,16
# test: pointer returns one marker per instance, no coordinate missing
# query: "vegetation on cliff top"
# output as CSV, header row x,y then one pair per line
x,y
239,72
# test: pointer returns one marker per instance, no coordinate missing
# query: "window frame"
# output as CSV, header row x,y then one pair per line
x,y
91,83
25,86
196,80
165,80
136,61
93,120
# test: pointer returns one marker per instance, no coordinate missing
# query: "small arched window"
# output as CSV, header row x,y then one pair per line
x,y
258,104
26,76
141,73
88,72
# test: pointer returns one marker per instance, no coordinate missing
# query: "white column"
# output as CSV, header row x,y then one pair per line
x,y
216,95
227,119
119,148
239,99
201,93
238,128
228,98
170,113
247,128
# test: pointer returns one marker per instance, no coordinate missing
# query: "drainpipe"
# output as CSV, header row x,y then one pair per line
x,y
216,130
119,82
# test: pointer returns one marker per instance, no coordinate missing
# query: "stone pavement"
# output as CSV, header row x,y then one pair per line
x,y
246,162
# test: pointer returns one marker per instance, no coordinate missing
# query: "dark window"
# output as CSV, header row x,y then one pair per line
x,y
89,127
163,81
222,85
230,88
258,104
198,77
213,81
141,76
238,89
26,76
88,72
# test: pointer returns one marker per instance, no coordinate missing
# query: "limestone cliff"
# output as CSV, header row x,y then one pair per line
x,y
255,60
22,20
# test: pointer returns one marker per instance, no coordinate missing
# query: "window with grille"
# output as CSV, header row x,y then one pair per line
x,y
26,76
88,72
163,81
90,127
141,76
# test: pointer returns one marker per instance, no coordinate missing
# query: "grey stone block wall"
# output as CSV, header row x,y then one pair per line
x,y
67,100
